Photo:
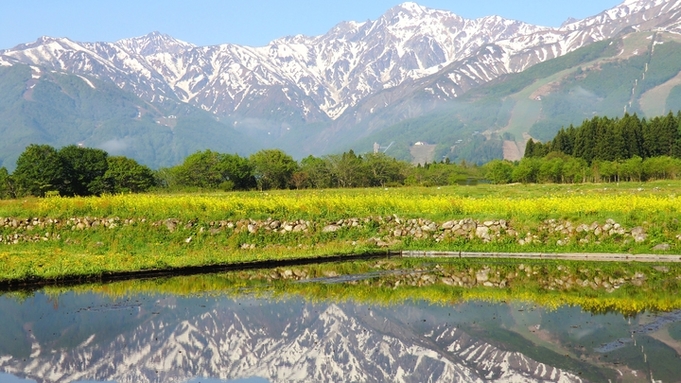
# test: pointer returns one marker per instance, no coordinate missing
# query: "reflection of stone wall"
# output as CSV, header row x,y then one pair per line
x,y
546,276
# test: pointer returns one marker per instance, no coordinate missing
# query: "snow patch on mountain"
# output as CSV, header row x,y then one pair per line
x,y
337,344
320,78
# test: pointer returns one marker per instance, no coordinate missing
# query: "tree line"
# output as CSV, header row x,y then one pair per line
x,y
76,171
73,170
615,139
602,149
274,169
560,168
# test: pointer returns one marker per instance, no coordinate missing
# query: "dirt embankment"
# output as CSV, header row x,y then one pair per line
x,y
512,151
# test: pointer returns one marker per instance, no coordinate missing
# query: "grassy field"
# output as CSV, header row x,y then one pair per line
x,y
217,228
526,202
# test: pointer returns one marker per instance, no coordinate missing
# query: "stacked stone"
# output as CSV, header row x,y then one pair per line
x,y
391,229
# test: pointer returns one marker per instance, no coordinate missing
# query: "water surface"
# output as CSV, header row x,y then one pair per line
x,y
143,335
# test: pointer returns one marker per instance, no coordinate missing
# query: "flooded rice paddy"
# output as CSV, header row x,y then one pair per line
x,y
365,322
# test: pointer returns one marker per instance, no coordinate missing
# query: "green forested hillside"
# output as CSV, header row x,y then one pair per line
x,y
457,131
473,128
515,83
636,73
610,89
59,110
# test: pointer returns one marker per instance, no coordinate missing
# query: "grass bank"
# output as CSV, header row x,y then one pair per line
x,y
55,238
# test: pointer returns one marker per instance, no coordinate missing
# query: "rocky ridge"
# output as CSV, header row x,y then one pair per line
x,y
321,78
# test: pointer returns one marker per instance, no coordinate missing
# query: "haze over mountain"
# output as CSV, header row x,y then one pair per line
x,y
340,90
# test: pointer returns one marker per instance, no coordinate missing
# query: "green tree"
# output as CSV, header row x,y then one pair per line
x,y
550,169
609,142
438,174
662,167
7,188
527,170
608,171
318,172
84,169
236,171
669,134
200,169
575,170
40,169
660,136
632,135
212,170
125,175
348,169
535,149
383,169
498,171
273,168
632,169
585,140
563,142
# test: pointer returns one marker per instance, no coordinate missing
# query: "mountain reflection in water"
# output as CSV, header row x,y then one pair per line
x,y
79,337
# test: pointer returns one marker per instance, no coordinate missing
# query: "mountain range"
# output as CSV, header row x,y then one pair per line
x,y
466,88
166,339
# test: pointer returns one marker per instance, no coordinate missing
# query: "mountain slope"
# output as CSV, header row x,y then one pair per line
x,y
319,94
289,341
38,106
324,75
319,76
637,72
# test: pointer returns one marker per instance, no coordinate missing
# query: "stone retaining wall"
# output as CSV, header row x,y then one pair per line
x,y
391,230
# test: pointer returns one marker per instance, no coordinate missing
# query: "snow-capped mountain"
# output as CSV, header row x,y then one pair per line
x,y
319,78
330,343
523,50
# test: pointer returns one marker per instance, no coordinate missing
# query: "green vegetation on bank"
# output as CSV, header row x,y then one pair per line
x,y
71,171
76,171
84,224
56,237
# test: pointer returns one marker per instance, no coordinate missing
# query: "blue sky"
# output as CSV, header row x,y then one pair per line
x,y
247,22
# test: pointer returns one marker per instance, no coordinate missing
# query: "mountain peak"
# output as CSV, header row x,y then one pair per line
x,y
568,21
156,42
411,7
341,78
408,10
41,41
